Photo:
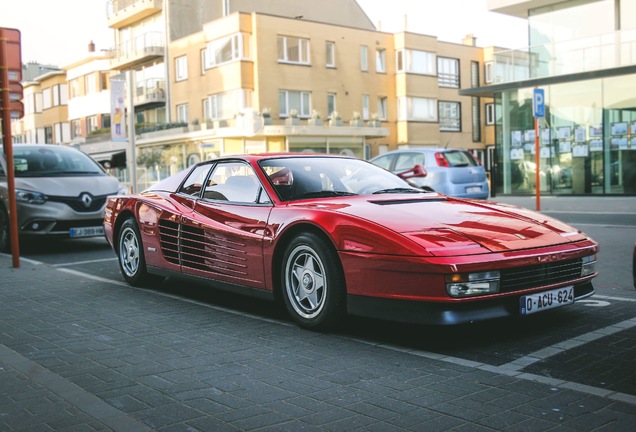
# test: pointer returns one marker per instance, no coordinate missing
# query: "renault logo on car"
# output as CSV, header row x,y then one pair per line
x,y
87,199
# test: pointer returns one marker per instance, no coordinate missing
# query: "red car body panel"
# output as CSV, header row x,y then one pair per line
x,y
394,246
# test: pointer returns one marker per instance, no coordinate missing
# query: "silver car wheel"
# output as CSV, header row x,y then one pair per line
x,y
305,282
129,252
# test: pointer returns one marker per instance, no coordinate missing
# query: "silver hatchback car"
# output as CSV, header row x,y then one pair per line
x,y
453,172
60,192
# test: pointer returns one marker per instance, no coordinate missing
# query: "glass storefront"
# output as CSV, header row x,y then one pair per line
x,y
587,140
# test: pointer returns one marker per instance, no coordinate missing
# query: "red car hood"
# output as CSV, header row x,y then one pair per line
x,y
447,226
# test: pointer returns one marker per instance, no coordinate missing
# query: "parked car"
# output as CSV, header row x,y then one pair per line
x,y
329,235
60,192
634,265
453,172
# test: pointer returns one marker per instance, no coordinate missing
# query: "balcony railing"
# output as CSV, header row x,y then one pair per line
x,y
606,51
143,48
149,91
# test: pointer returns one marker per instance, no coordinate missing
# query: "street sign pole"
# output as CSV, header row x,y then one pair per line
x,y
538,110
10,77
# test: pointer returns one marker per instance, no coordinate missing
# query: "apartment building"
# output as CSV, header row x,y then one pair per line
x,y
45,118
582,54
235,76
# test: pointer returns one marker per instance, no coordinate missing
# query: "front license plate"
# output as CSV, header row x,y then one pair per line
x,y
473,189
546,300
87,232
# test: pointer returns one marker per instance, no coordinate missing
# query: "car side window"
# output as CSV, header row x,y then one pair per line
x,y
194,182
384,161
407,161
233,181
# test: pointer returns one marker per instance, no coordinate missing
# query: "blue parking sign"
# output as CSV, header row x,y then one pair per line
x,y
538,103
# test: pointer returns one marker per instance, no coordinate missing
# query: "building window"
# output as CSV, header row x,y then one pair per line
x,y
364,58
91,124
474,74
448,72
417,109
417,62
48,135
76,89
227,49
76,128
331,104
476,118
293,50
90,84
181,68
105,121
330,48
488,68
294,100
104,80
226,105
382,108
449,116
204,60
182,113
365,107
46,98
380,60
490,114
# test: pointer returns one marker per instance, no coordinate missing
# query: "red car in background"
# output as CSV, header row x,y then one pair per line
x,y
330,235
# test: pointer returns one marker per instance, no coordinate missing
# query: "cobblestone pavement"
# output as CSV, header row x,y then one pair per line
x,y
80,353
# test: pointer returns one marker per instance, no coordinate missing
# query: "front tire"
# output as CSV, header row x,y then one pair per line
x,y
130,254
313,285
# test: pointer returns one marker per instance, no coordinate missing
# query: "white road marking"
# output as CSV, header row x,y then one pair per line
x,y
84,262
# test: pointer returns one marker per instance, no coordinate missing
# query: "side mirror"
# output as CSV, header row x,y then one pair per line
x,y
418,171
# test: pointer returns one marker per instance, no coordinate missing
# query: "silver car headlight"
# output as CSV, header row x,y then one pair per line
x,y
472,284
589,265
29,197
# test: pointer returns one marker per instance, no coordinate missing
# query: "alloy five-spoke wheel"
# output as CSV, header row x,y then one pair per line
x,y
131,255
312,282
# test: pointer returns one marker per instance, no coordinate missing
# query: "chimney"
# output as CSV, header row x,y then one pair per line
x,y
91,47
470,40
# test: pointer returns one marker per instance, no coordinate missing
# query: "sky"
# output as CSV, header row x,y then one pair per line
x,y
58,32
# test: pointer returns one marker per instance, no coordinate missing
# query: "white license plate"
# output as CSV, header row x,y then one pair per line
x,y
473,189
539,302
87,232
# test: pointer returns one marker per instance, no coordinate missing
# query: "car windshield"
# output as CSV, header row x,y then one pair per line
x,y
296,178
43,161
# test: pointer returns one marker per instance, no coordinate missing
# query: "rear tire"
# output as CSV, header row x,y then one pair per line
x,y
130,254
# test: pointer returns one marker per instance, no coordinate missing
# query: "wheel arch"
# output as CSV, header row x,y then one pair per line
x,y
121,218
279,251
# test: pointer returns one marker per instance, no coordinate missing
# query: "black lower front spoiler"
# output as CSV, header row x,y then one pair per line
x,y
430,313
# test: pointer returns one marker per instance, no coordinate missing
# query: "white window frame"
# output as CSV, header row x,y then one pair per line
x,y
283,45
416,62
383,107
330,53
331,104
183,113
380,60
450,116
47,102
417,109
365,107
222,106
488,71
490,114
238,47
364,58
448,72
304,108
181,68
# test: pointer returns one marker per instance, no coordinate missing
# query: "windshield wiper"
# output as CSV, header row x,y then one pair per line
x,y
398,190
323,194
